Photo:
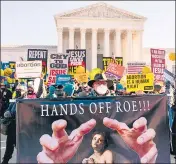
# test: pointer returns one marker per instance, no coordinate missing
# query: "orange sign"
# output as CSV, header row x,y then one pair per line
x,y
115,69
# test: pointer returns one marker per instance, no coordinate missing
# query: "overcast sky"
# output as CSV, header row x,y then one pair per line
x,y
32,23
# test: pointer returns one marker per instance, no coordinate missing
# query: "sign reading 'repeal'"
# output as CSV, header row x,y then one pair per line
x,y
122,129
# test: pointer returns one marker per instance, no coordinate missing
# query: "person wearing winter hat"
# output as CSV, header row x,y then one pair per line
x,y
30,93
10,115
69,90
100,85
6,96
51,93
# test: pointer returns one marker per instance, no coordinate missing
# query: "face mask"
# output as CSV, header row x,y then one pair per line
x,y
18,94
101,89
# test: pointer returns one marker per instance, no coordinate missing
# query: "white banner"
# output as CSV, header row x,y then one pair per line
x,y
28,69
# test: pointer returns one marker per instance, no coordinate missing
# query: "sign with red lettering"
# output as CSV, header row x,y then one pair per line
x,y
158,63
77,57
58,66
115,69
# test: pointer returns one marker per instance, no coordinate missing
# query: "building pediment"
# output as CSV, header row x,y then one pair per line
x,y
100,10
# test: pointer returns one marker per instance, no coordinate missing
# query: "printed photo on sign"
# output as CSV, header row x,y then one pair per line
x,y
112,129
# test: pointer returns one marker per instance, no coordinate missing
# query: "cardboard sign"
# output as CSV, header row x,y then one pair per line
x,y
58,66
82,77
158,63
135,67
63,79
115,69
140,82
107,60
77,57
28,69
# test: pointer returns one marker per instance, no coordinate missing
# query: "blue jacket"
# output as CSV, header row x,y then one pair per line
x,y
12,109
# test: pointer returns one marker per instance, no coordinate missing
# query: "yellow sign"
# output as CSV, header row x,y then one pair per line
x,y
82,77
142,82
107,60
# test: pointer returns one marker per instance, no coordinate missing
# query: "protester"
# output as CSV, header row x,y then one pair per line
x,y
30,93
51,94
100,85
10,114
6,96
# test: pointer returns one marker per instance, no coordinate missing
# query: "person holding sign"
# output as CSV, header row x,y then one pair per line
x,y
60,148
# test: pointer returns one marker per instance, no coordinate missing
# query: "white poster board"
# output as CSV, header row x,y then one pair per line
x,y
28,69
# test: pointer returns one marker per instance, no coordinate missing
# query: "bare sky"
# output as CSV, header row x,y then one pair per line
x,y
32,23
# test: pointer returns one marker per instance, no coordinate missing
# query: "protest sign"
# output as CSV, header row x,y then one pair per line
x,y
28,69
115,70
158,63
81,77
12,65
4,65
135,67
107,60
74,149
63,79
140,82
58,66
39,54
77,58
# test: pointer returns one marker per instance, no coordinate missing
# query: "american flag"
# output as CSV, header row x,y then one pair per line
x,y
135,68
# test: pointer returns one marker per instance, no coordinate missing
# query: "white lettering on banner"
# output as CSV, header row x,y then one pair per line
x,y
94,108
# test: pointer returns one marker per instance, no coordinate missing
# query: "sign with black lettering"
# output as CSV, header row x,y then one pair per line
x,y
28,69
77,58
140,82
58,66
39,54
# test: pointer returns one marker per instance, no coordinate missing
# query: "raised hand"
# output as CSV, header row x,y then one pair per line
x,y
138,138
60,148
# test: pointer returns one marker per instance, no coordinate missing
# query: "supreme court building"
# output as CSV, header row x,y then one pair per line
x,y
102,30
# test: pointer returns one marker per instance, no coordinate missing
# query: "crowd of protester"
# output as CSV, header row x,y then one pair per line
x,y
97,87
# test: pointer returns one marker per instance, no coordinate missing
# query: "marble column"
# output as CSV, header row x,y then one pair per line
x,y
140,45
117,44
129,46
71,38
106,43
60,40
94,48
83,38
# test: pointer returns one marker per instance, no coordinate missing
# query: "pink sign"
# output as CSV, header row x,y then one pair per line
x,y
158,63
